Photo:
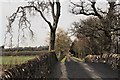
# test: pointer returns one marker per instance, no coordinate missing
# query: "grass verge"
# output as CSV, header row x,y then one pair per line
x,y
78,59
64,59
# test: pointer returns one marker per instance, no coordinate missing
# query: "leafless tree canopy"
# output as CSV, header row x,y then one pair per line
x,y
33,7
88,7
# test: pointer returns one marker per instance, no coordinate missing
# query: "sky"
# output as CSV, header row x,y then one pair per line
x,y
40,28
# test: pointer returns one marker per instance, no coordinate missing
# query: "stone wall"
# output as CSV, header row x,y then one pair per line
x,y
39,67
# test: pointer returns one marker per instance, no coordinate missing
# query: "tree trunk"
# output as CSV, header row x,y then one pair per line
x,y
55,22
52,39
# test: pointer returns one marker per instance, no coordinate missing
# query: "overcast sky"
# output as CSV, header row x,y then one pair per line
x,y
39,27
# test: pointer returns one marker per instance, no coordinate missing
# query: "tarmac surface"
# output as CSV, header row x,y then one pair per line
x,y
73,69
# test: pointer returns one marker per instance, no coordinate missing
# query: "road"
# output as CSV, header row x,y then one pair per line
x,y
72,69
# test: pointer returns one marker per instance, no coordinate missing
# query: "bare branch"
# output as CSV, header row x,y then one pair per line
x,y
22,21
100,10
40,14
52,6
117,4
95,11
58,10
81,8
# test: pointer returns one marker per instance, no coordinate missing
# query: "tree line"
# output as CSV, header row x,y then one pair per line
x,y
40,48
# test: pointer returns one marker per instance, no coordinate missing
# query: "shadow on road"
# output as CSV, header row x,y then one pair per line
x,y
56,73
72,69
104,71
76,71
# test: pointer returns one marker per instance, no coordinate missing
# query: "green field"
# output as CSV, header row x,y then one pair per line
x,y
9,61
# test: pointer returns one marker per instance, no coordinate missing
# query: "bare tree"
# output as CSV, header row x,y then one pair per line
x,y
36,6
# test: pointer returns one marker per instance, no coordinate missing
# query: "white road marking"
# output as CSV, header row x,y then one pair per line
x,y
91,72
64,72
89,69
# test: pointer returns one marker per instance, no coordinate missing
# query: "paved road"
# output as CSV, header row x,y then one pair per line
x,y
72,69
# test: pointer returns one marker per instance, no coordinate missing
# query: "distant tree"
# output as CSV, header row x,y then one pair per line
x,y
35,6
63,41
80,47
